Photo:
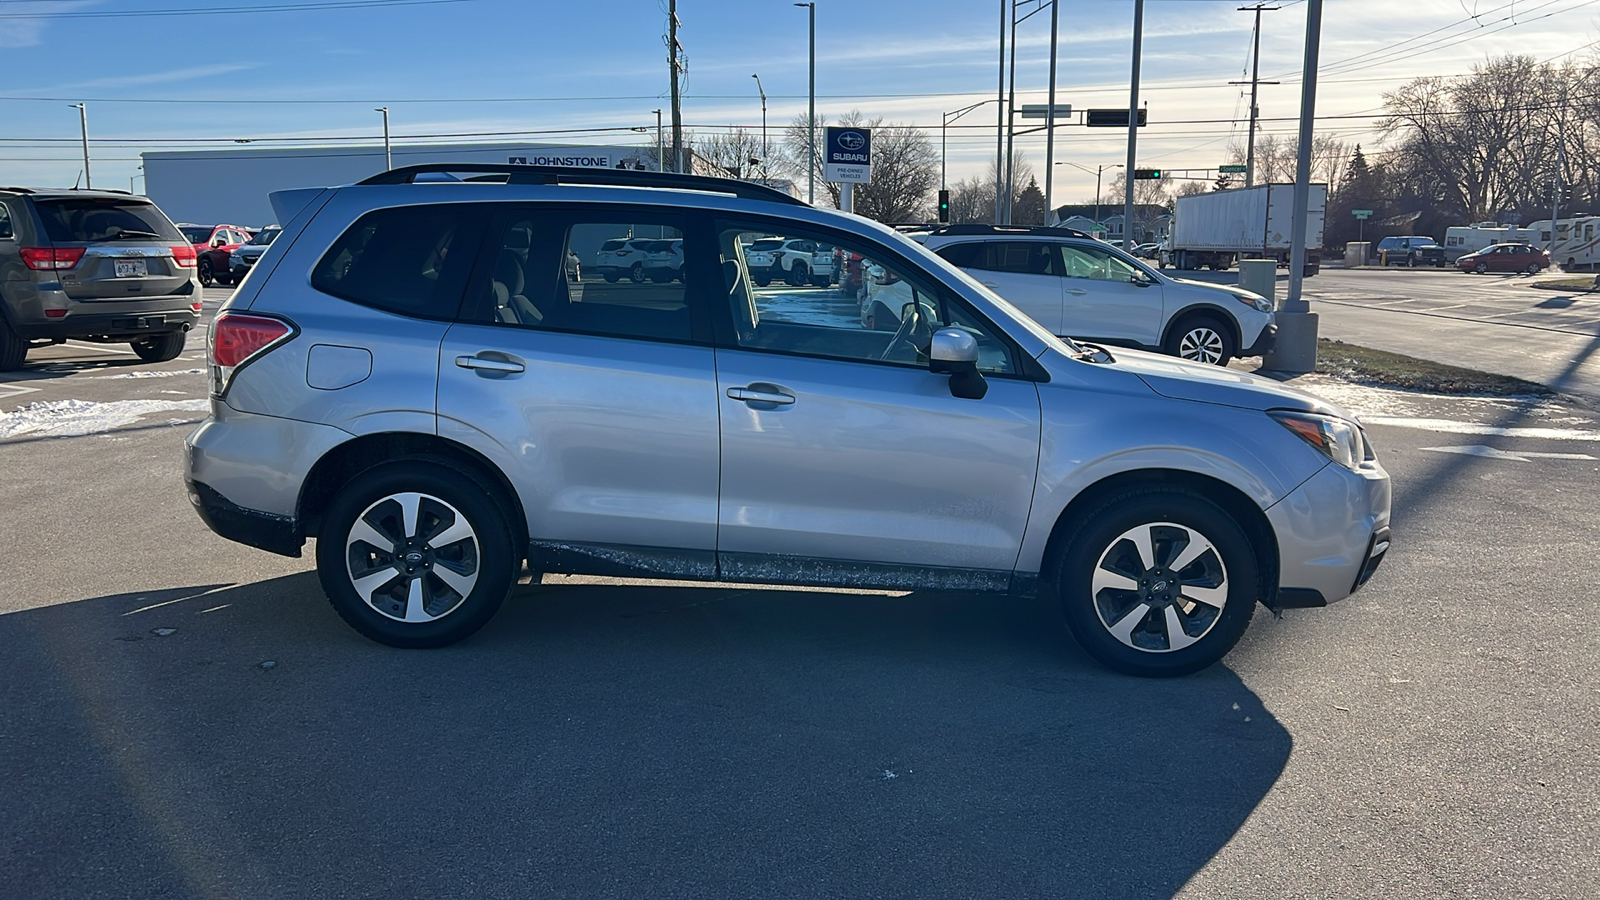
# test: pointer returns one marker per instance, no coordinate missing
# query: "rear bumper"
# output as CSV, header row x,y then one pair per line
x,y
110,325
265,531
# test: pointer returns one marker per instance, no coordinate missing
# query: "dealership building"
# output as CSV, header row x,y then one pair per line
x,y
230,186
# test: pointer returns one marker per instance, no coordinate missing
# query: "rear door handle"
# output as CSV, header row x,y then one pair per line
x,y
761,392
490,364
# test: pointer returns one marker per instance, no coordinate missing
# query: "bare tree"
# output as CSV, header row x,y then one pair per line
x,y
905,168
734,153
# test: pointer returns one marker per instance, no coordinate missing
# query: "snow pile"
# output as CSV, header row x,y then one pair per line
x,y
73,418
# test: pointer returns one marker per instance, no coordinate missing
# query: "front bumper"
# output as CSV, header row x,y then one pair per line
x,y
1333,532
1264,342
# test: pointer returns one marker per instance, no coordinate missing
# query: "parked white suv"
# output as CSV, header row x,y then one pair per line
x,y
797,262
1080,287
623,257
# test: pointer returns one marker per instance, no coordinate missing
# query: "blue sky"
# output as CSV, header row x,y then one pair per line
x,y
574,65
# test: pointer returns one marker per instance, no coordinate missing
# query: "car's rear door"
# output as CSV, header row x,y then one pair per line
x,y
1025,273
597,399
125,244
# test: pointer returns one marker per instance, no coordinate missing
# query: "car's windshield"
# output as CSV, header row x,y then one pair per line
x,y
266,236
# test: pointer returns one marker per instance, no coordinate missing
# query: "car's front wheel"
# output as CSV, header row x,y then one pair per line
x,y
636,274
1157,582
1202,339
413,554
1481,268
161,348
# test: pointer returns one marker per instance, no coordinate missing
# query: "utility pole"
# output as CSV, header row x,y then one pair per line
x,y
1011,111
83,120
1555,201
1050,116
811,111
1000,123
674,69
1254,82
1133,126
763,94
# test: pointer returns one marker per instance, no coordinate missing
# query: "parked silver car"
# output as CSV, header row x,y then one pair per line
x,y
402,383
1075,285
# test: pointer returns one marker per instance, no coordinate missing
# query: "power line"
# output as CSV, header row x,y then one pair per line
x,y
226,10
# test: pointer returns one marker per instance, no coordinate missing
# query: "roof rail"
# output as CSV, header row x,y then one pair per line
x,y
981,228
519,174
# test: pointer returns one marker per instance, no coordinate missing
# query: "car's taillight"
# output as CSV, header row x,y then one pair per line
x,y
184,256
240,338
51,257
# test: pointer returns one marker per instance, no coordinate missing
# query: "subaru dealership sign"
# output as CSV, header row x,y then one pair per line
x,y
847,155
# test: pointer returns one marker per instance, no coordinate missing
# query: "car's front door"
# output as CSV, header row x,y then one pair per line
x,y
844,459
1025,273
1107,297
597,399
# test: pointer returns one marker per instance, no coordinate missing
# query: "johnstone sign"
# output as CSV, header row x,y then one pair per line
x,y
847,156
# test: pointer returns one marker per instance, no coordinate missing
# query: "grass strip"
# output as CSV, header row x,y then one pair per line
x,y
1364,365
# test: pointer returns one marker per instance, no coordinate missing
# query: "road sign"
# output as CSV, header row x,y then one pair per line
x,y
1041,111
1112,118
1362,213
847,155
1230,170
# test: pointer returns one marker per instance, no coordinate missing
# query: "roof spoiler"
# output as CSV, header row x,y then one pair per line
x,y
287,204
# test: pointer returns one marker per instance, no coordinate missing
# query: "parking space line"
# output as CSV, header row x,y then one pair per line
x,y
75,345
15,390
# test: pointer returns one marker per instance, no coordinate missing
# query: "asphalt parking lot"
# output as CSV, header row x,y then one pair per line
x,y
183,716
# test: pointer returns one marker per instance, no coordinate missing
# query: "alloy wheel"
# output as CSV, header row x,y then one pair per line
x,y
412,557
1159,587
1201,344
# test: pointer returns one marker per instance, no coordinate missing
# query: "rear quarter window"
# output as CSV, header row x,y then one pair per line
x,y
5,222
409,260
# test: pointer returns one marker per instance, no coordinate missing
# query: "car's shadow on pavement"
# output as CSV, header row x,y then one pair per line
x,y
633,741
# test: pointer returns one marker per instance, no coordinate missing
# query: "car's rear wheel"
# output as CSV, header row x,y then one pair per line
x,y
160,348
208,275
1202,339
799,275
414,554
13,349
1533,268
611,277
1157,582
636,274
763,280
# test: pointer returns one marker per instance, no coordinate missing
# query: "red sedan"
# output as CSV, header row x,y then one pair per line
x,y
1505,258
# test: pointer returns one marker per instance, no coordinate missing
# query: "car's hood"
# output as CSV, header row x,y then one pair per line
x,y
252,249
1184,380
1229,289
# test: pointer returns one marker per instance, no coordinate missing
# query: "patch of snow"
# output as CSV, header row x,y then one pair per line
x,y
155,374
74,418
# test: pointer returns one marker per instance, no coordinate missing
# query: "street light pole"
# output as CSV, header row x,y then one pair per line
x,y
83,120
1000,121
661,164
811,111
1097,172
1133,126
1296,347
763,93
944,122
1050,116
388,155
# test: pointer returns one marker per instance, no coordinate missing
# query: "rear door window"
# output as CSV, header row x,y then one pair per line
x,y
411,260
5,222
86,220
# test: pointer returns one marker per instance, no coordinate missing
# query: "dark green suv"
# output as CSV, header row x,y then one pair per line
x,y
100,266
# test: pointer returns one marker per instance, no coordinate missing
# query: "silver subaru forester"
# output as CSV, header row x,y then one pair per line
x,y
411,376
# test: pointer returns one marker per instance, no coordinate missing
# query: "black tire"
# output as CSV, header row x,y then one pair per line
x,y
486,555
799,275
1202,338
611,277
13,349
1171,518
636,274
1533,268
1481,268
763,280
208,277
1411,262
161,348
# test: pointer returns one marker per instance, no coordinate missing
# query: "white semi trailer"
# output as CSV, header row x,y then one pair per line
x,y
1217,229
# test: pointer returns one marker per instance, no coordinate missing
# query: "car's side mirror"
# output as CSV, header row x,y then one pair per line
x,y
217,242
954,352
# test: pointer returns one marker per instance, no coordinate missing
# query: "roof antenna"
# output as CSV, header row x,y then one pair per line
x,y
78,179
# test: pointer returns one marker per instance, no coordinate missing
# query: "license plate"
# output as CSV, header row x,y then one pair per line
x,y
130,268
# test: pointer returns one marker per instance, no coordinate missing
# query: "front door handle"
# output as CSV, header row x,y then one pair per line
x,y
761,393
1076,292
490,364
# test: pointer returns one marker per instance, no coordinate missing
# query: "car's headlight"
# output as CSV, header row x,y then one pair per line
x,y
1259,304
1338,439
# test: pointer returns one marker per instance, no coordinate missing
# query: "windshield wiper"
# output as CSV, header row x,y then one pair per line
x,y
125,235
1093,353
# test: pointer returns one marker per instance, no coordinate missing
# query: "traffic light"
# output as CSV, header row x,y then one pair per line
x,y
1146,174
1113,118
944,205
